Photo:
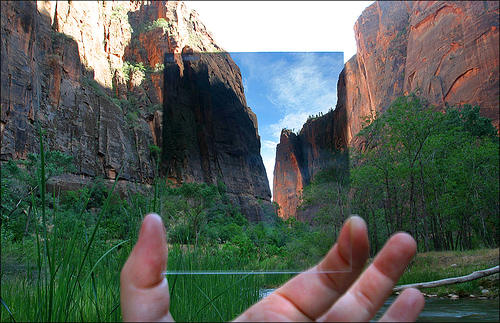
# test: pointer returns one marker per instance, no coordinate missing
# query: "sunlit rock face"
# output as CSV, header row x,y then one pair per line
x,y
299,157
453,54
289,174
447,52
91,74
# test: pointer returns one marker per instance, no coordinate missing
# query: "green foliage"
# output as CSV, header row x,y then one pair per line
x,y
98,89
62,37
132,119
158,68
468,119
430,173
158,23
129,69
155,151
119,12
67,267
20,180
65,252
318,115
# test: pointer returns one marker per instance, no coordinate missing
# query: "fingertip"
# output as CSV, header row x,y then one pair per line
x,y
359,240
352,243
148,259
406,242
152,218
357,225
152,224
416,298
394,257
406,308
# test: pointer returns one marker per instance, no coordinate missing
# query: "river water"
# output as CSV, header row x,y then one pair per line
x,y
459,310
446,310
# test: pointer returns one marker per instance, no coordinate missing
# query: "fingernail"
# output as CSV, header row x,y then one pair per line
x,y
356,223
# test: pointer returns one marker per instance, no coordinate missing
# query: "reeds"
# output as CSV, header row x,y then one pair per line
x,y
74,276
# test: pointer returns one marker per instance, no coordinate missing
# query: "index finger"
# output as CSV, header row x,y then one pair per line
x,y
365,297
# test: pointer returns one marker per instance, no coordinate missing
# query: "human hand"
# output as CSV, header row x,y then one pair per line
x,y
310,296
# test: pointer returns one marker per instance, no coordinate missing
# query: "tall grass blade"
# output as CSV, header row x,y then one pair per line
x,y
210,301
94,291
114,308
102,257
7,308
69,251
39,264
48,265
217,296
90,241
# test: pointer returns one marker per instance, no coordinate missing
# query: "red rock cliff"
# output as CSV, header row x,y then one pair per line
x,y
90,73
446,51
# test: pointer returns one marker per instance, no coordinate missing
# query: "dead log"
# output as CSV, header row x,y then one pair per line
x,y
475,275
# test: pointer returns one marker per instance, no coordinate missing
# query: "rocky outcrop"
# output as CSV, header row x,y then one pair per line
x,y
289,172
301,156
445,51
90,74
209,133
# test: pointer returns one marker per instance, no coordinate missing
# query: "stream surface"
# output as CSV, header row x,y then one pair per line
x,y
459,310
446,310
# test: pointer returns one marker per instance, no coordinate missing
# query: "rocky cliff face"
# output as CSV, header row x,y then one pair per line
x,y
209,132
91,75
300,156
445,51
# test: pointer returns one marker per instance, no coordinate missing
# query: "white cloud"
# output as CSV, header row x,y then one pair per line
x,y
299,90
269,144
292,121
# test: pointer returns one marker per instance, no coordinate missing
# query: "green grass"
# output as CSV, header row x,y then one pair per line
x,y
61,279
70,271
68,267
431,266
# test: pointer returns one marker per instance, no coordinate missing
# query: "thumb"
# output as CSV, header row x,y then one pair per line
x,y
144,289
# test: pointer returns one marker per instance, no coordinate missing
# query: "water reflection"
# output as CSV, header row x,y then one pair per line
x,y
444,309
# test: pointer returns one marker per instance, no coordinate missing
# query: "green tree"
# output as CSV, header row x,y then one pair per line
x,y
429,172
20,180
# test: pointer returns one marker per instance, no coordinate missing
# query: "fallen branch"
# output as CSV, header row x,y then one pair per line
x,y
475,275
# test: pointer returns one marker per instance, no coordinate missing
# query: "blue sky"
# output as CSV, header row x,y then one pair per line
x,y
284,88
290,54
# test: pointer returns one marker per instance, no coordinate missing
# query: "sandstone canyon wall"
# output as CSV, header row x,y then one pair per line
x,y
445,51
91,75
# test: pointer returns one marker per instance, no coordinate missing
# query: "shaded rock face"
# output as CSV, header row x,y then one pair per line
x,y
445,51
209,133
91,75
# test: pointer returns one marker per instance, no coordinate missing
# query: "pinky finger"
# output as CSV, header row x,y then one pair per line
x,y
406,307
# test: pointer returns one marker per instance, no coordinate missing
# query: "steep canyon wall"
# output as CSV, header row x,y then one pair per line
x,y
445,51
90,74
